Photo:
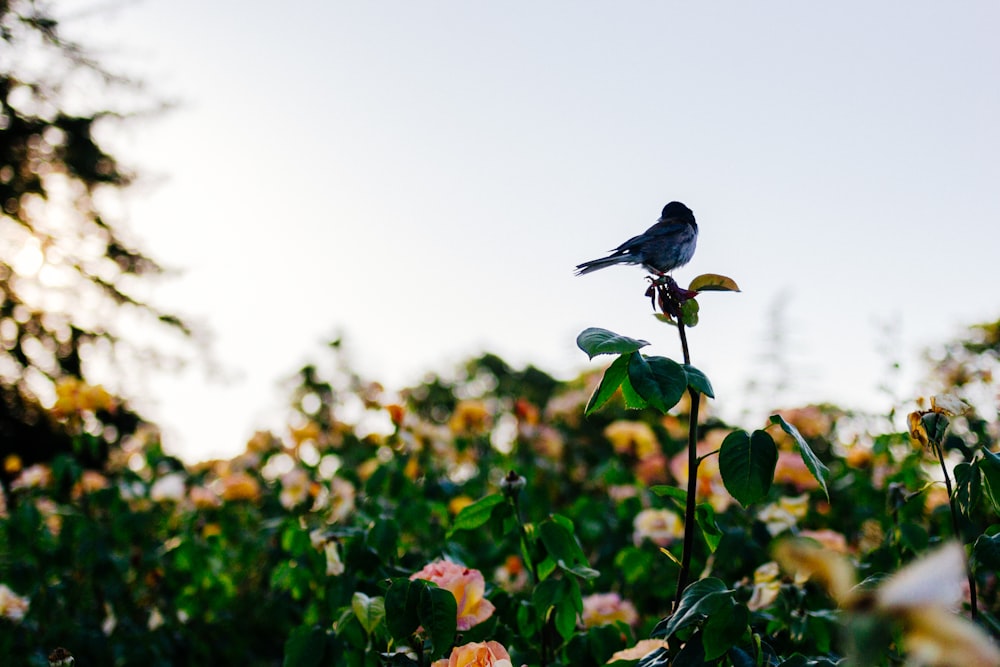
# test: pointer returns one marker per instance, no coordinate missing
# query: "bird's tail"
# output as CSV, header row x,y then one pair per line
x,y
595,264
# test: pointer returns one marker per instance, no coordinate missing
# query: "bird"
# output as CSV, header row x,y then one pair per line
x,y
662,248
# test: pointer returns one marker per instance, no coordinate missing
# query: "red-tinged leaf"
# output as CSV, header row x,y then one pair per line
x,y
713,282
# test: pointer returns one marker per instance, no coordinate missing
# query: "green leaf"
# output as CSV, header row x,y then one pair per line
x,y
815,466
305,647
476,515
659,380
698,380
990,467
615,374
560,543
402,601
724,628
968,486
369,610
713,282
595,341
705,514
689,313
699,601
439,616
986,552
679,495
747,465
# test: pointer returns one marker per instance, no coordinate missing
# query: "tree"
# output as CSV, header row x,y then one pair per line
x,y
68,271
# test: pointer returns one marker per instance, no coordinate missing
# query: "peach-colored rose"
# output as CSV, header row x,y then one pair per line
x,y
658,525
607,608
467,585
830,539
631,437
643,648
477,654
240,486
791,469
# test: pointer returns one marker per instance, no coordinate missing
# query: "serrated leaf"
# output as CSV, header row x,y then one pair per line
x,y
747,464
815,466
475,515
368,610
595,341
614,376
658,380
698,380
713,282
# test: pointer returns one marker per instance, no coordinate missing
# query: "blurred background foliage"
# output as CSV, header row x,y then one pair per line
x,y
71,279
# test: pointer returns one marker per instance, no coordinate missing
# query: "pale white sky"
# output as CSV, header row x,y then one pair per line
x,y
423,176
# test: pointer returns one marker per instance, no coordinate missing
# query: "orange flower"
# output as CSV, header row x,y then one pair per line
x,y
631,437
467,585
470,418
477,654
240,486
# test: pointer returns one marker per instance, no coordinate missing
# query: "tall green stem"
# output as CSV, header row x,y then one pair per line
x,y
974,607
692,486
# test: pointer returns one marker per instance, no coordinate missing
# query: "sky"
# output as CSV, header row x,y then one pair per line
x,y
420,178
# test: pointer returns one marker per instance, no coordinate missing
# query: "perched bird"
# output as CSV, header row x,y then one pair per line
x,y
661,248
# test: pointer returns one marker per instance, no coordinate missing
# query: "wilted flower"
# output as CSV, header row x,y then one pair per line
x,y
606,609
170,487
467,585
331,549
13,607
476,654
919,598
659,526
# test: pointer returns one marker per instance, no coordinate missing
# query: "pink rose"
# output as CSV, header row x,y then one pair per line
x,y
607,608
468,587
477,654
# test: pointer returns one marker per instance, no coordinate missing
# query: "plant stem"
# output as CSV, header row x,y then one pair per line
x,y
692,485
973,605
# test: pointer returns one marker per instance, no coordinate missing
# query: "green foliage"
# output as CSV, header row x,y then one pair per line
x,y
302,551
747,462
